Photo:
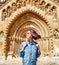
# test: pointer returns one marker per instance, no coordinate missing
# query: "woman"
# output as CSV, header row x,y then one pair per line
x,y
30,49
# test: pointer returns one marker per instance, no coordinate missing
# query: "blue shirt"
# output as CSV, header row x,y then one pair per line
x,y
30,53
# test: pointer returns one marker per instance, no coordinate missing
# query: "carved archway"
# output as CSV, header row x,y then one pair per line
x,y
33,19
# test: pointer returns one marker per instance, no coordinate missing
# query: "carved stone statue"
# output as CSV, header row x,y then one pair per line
x,y
9,11
4,14
14,6
47,7
42,4
53,12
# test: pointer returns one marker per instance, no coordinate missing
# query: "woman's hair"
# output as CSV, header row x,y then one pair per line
x,y
35,35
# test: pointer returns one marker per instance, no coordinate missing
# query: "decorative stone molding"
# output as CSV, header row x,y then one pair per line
x,y
38,7
20,12
43,5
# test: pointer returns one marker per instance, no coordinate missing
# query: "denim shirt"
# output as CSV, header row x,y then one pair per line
x,y
30,53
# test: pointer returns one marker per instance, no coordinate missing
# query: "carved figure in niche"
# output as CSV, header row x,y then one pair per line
x,y
53,11
39,2
4,14
18,4
35,2
48,7
14,7
42,4
23,2
9,11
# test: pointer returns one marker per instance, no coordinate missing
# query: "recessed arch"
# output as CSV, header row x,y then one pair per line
x,y
18,20
11,23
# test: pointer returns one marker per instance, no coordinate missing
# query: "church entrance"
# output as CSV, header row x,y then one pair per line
x,y
17,30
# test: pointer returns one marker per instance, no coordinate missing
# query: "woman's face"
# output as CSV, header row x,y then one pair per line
x,y
28,35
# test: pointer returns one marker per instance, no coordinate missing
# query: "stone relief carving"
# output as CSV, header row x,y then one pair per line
x,y
47,7
42,5
4,14
56,33
9,10
18,4
51,10
14,7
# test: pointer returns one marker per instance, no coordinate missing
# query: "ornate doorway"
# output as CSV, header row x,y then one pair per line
x,y
17,29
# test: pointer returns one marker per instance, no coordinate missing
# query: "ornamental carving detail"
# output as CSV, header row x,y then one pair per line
x,y
43,5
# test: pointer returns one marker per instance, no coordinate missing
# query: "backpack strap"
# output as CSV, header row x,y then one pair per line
x,y
24,43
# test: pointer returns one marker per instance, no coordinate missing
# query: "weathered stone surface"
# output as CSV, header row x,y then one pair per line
x,y
18,16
